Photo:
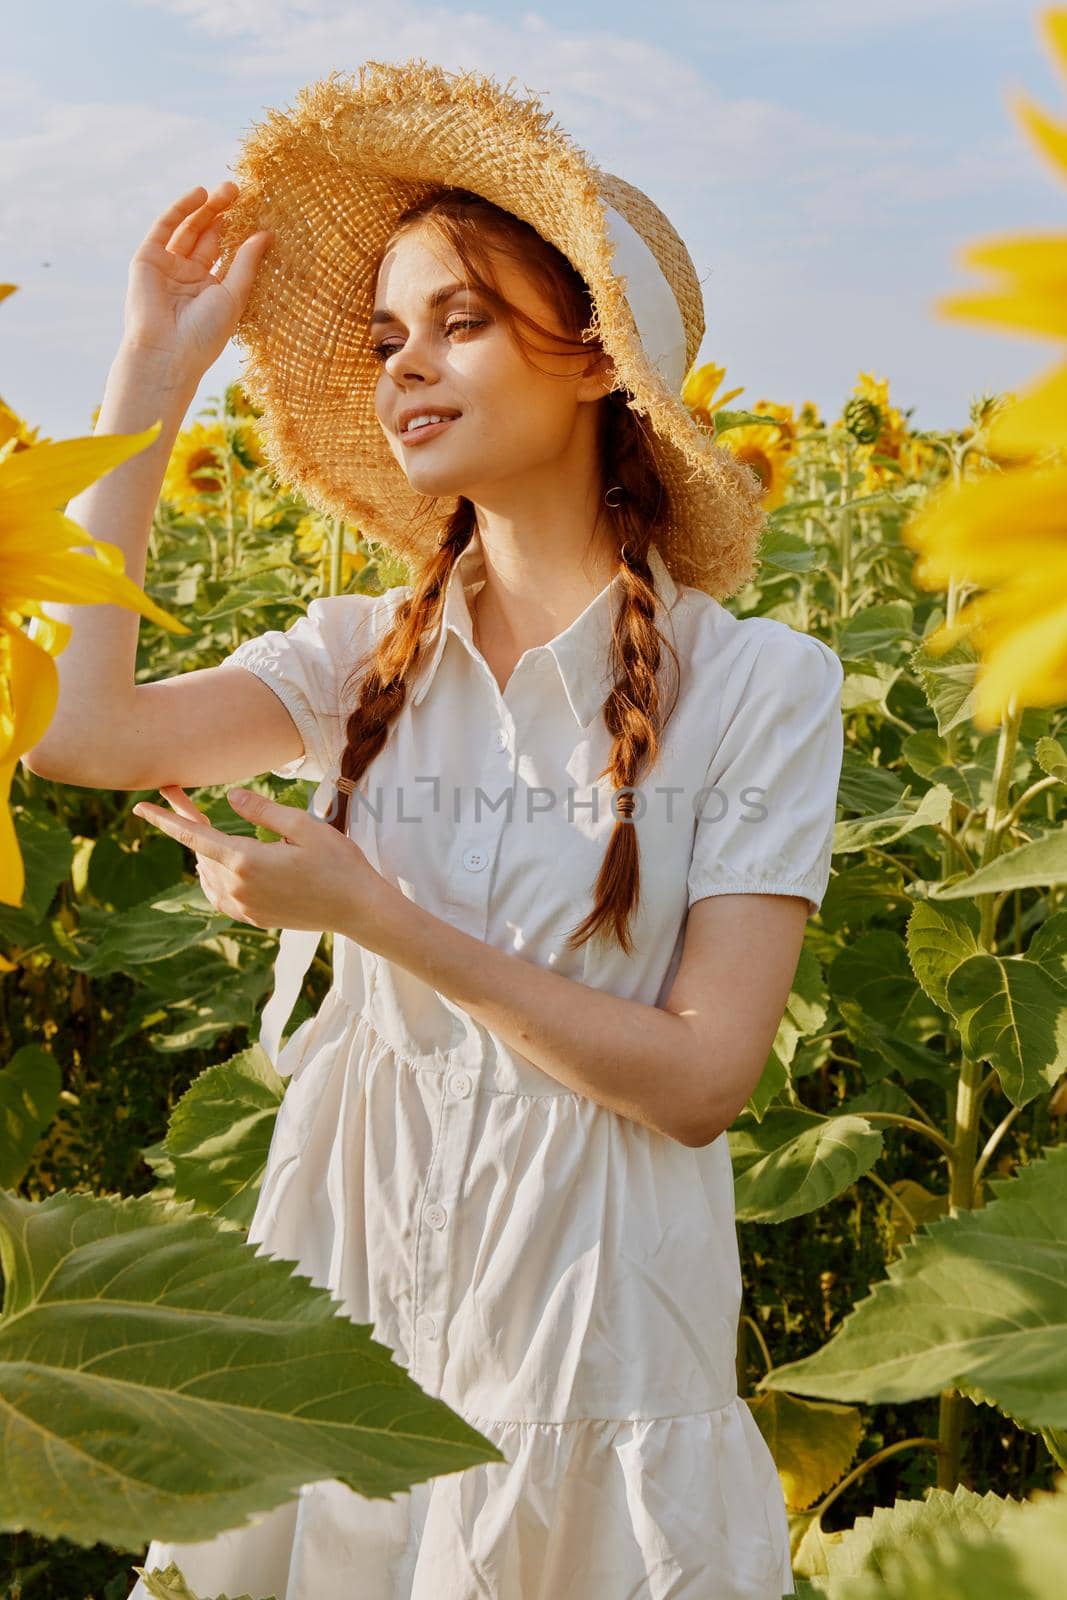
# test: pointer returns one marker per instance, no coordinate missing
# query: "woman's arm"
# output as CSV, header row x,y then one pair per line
x,y
202,727
685,1069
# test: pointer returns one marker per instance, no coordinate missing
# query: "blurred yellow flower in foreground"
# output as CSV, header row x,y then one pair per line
x,y
1006,531
45,556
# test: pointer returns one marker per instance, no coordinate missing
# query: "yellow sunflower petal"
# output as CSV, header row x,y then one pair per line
x,y
1040,309
989,527
51,474
1037,420
1029,664
1045,133
30,684
72,578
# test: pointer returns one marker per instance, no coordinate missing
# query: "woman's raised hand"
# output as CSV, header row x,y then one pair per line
x,y
175,304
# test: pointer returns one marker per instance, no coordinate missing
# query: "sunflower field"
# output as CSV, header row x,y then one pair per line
x,y
900,1171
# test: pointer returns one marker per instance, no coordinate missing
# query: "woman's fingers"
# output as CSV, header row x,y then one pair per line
x,y
187,234
176,796
240,274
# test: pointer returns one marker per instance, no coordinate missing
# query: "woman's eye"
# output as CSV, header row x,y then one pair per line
x,y
382,351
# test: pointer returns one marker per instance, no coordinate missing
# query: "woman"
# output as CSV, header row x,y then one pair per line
x,y
579,816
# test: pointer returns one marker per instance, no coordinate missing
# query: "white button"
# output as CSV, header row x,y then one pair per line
x,y
475,859
459,1083
500,738
426,1327
436,1216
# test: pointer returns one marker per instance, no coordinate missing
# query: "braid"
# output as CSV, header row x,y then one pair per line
x,y
383,690
632,711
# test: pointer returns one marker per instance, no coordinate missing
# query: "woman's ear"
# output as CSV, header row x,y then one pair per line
x,y
600,379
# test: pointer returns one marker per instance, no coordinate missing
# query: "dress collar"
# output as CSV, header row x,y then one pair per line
x,y
581,652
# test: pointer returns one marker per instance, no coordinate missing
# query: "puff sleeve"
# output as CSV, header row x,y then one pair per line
x,y
306,665
765,819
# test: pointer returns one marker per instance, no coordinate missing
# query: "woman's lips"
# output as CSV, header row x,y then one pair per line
x,y
421,435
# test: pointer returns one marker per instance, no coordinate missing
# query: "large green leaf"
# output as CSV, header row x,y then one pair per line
x,y
977,1301
220,1132
863,1550
160,1378
29,1098
1013,1014
959,1547
795,1161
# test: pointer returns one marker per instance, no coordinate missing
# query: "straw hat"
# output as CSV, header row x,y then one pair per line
x,y
331,175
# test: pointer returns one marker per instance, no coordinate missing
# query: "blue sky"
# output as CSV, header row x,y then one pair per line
x,y
824,161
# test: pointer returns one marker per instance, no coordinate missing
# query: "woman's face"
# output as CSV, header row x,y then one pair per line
x,y
456,355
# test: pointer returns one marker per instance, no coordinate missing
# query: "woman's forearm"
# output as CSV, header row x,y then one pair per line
x,y
96,669
633,1058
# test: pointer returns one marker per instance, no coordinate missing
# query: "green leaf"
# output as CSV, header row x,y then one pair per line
x,y
863,1550
1052,758
795,1161
261,591
123,877
865,788
813,1442
874,973
786,551
858,893
168,1583
29,1099
939,939
975,1301
805,1013
161,1379
868,691
875,631
895,822
1007,1549
1013,1014
881,1050
740,419
948,681
1036,864
220,1132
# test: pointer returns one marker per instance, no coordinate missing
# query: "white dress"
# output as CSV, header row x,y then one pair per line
x,y
563,1277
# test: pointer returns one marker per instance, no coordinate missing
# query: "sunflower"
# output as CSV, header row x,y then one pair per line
x,y
43,557
698,393
197,466
1006,531
768,448
886,434
15,432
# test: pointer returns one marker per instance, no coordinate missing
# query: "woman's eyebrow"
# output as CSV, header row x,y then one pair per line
x,y
433,300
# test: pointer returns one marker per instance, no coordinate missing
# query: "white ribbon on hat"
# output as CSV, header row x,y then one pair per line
x,y
650,298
